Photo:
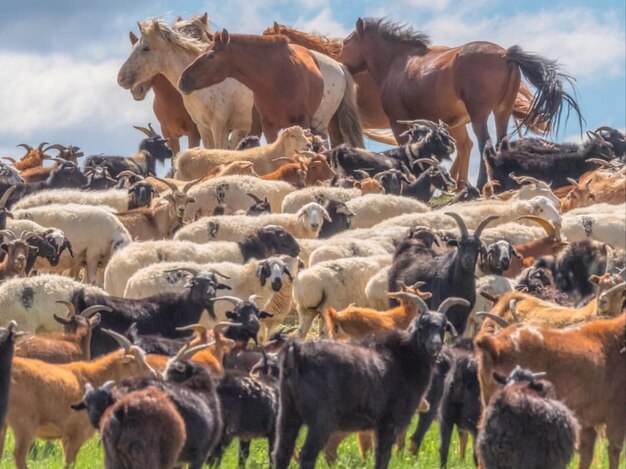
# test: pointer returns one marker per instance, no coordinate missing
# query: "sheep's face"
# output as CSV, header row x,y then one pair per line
x,y
295,138
542,207
140,194
278,241
497,256
313,216
272,270
60,242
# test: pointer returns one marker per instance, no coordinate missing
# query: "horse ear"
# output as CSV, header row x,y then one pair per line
x,y
225,36
360,27
180,18
276,27
140,28
205,18
133,38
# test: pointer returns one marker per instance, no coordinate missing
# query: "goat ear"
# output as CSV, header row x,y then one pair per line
x,y
223,286
4,247
133,38
498,378
452,242
80,406
595,279
265,314
230,315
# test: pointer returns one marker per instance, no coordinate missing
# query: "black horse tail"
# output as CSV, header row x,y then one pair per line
x,y
550,97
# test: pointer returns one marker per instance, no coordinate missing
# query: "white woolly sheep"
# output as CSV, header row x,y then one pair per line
x,y
335,284
320,194
376,290
32,301
606,227
494,285
332,249
306,223
116,199
94,232
371,209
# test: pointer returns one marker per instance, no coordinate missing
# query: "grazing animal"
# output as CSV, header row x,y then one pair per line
x,y
7,343
406,67
525,426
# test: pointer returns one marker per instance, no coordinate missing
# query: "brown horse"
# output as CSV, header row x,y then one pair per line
x,y
368,95
285,78
458,85
169,109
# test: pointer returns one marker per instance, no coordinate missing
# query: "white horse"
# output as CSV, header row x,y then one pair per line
x,y
338,99
217,110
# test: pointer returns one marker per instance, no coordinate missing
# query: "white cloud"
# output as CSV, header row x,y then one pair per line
x,y
323,23
436,5
57,92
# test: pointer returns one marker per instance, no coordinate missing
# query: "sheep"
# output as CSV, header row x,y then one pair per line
x,y
306,223
7,343
257,277
160,313
30,416
603,227
17,253
334,283
495,258
235,190
298,199
196,162
330,386
265,242
524,425
448,274
95,233
63,348
31,301
143,429
339,249
372,209
586,364
474,212
116,199
493,286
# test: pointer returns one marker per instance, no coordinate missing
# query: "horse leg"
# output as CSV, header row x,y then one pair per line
x,y
463,150
193,138
479,125
270,131
207,137
220,136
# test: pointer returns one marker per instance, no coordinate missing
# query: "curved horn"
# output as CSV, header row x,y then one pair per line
x,y
190,270
26,146
254,197
5,197
190,184
173,187
197,328
8,158
600,162
128,173
217,329
12,325
450,302
253,298
616,288
153,132
494,317
545,224
70,306
609,258
187,352
459,221
428,161
90,311
41,145
573,182
484,222
512,309
362,173
143,130
220,274
9,234
232,299
119,338
56,146
420,303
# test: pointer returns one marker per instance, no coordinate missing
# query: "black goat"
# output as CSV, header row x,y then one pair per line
x,y
249,141
271,240
341,217
524,426
434,177
454,395
4,211
330,386
468,193
247,315
259,207
495,259
448,274
151,149
7,344
540,159
99,178
159,314
50,245
155,344
615,138
392,180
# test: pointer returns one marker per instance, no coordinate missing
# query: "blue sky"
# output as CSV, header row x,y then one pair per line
x,y
60,58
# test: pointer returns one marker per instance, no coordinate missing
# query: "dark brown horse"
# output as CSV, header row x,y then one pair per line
x,y
169,109
285,78
368,95
458,85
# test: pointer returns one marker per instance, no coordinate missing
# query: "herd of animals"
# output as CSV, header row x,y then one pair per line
x,y
158,310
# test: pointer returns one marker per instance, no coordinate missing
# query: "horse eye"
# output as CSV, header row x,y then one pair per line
x,y
145,49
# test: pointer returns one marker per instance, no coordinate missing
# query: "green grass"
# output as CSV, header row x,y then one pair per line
x,y
90,457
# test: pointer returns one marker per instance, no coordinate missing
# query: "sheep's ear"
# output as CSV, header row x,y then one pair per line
x,y
516,253
261,275
498,378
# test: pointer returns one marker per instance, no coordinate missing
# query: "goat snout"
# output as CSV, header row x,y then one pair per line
x,y
433,346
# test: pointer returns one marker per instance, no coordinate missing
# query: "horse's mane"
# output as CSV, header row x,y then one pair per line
x,y
313,41
194,27
252,39
399,33
156,27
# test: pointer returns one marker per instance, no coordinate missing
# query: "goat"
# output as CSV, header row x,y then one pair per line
x,y
7,344
524,425
34,156
17,253
377,386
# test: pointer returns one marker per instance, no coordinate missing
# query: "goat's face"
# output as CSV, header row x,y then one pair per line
x,y
542,207
140,194
294,138
60,242
68,174
272,270
429,329
442,180
391,181
249,316
278,241
204,287
17,253
577,197
95,401
157,147
313,216
468,249
180,200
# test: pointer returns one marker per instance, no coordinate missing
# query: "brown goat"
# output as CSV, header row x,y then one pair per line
x,y
17,252
63,347
41,173
34,157
586,364
610,189
369,186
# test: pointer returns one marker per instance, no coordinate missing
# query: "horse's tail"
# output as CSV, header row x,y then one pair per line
x,y
521,107
348,117
381,137
546,106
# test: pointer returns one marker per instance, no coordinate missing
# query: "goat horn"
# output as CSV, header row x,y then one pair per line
x,y
217,329
254,197
459,221
573,182
152,131
8,158
609,258
540,374
187,352
309,153
494,317
56,146
285,158
488,296
173,187
12,325
119,338
9,234
5,197
41,145
190,270
232,299
254,298
197,328
108,385
70,307
189,185
404,296
617,288
450,302
128,173
90,311
143,130
58,160
484,222
418,284
26,146
428,161
220,274
512,309
600,162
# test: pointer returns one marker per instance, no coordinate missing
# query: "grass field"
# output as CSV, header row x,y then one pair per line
x,y
90,456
